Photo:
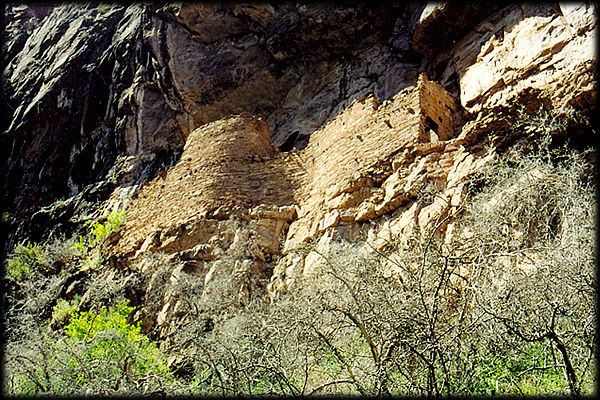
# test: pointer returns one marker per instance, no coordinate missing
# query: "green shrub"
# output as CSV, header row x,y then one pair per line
x,y
101,231
26,259
113,340
98,232
82,244
63,309
93,261
99,353
104,7
88,245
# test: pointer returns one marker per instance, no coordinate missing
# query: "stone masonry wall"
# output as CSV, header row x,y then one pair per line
x,y
440,111
348,173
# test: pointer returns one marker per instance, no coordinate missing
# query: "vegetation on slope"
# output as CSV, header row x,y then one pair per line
x,y
506,306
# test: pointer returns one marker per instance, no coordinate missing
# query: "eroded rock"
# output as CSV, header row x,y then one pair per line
x,y
528,55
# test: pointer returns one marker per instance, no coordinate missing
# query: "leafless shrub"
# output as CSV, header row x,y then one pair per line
x,y
534,233
505,307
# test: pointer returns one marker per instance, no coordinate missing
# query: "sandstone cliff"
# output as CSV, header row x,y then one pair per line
x,y
254,129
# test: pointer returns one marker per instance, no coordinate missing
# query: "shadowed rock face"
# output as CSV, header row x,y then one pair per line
x,y
58,95
19,21
443,24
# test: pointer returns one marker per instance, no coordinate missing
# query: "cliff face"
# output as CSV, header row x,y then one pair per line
x,y
215,125
100,83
